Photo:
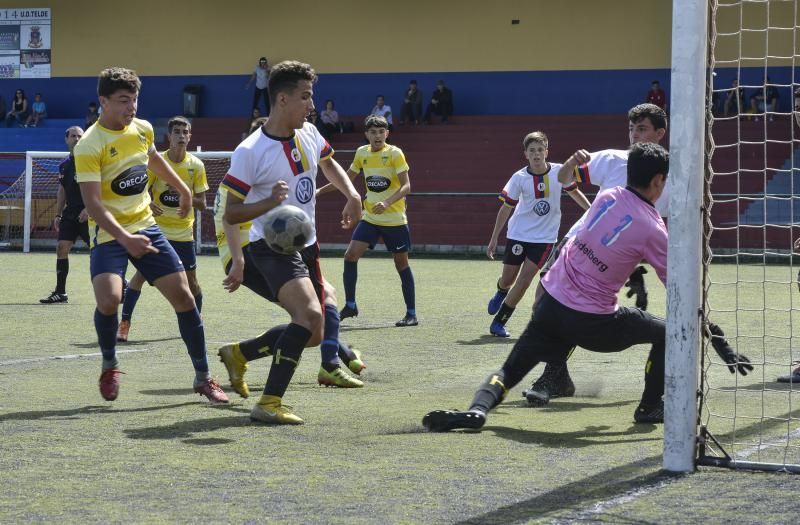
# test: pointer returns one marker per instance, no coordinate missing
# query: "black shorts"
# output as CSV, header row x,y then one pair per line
x,y
552,257
253,278
70,229
556,328
518,251
277,269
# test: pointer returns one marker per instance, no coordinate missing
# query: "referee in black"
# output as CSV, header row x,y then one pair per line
x,y
71,220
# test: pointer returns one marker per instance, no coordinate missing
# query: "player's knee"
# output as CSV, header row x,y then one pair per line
x,y
330,293
350,256
194,285
311,319
109,304
62,249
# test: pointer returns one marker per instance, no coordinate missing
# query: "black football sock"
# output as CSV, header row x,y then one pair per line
x,y
193,334
490,394
504,314
262,345
288,350
62,270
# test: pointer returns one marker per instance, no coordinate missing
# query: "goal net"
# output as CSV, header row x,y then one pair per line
x,y
28,205
748,279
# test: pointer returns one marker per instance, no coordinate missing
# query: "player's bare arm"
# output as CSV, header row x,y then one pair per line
x,y
502,216
237,212
199,201
164,171
337,176
330,187
578,196
566,175
61,200
235,276
137,245
402,191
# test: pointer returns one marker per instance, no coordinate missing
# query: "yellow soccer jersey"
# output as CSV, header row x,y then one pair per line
x,y
380,170
220,201
118,161
193,173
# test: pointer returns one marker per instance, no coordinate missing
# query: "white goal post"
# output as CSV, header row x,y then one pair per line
x,y
687,148
34,195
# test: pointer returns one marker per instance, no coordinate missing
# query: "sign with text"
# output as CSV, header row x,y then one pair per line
x,y
25,42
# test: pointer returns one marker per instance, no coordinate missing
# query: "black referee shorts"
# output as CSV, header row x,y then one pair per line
x,y
70,229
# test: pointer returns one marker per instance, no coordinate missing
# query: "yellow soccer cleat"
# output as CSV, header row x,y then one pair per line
x,y
234,361
356,365
270,410
338,378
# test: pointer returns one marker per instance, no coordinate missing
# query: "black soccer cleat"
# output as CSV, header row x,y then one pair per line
x,y
55,298
408,320
649,413
445,420
554,382
348,312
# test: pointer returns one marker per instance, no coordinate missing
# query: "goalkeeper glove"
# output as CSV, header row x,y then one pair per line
x,y
636,287
726,353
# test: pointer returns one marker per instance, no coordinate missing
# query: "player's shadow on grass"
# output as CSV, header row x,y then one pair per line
x,y
581,493
76,413
363,328
770,386
487,339
562,405
122,346
590,436
187,430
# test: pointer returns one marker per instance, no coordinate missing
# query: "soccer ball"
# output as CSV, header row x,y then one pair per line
x,y
287,229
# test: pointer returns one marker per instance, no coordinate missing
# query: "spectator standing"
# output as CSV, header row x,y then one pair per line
x,y
92,114
2,106
441,103
38,111
261,76
412,104
19,109
381,109
656,95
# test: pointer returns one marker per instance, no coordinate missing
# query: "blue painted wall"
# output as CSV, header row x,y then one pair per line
x,y
478,93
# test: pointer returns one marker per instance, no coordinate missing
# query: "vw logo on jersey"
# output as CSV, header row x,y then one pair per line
x,y
170,199
132,181
304,191
541,208
296,155
516,249
377,183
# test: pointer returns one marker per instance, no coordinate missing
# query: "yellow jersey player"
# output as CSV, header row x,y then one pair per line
x,y
111,163
178,230
386,178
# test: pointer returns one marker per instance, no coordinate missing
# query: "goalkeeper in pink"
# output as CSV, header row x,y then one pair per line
x,y
579,305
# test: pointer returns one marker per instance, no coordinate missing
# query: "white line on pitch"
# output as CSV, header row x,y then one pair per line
x,y
758,448
68,356
602,506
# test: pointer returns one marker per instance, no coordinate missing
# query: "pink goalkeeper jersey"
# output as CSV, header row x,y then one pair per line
x,y
621,229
